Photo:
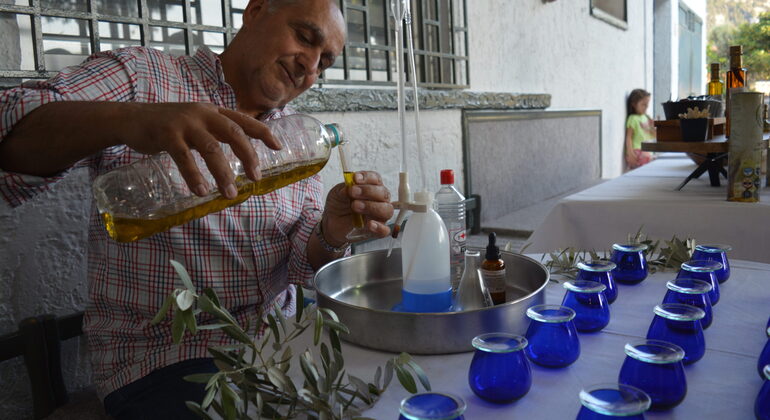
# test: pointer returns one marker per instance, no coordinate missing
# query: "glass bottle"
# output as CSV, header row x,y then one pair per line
x,y
150,195
716,86
736,78
470,294
493,271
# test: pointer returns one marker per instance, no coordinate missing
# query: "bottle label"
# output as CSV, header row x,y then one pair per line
x,y
456,252
494,280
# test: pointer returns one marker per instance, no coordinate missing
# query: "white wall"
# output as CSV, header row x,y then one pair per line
x,y
560,49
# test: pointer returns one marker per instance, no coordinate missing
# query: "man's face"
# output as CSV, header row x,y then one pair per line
x,y
285,50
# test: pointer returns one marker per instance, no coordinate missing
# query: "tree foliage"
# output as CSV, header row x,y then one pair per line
x,y
755,39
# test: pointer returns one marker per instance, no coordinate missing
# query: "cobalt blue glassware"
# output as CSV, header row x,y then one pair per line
x,y
762,404
764,357
679,324
702,270
691,292
612,401
432,406
500,371
656,368
553,339
587,299
600,271
716,253
631,263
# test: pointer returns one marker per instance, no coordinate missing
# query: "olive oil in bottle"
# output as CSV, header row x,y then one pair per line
x,y
716,86
735,79
493,271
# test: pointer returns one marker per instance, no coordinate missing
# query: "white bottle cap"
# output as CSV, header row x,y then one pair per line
x,y
424,198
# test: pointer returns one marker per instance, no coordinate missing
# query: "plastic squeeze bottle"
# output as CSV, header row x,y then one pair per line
x,y
493,271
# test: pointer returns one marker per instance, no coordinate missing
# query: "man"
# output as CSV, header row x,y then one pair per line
x,y
120,105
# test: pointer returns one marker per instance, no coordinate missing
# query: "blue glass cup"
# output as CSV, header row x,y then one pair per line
x,y
691,292
553,339
631,263
587,299
611,401
680,324
702,270
764,357
762,403
432,406
600,271
716,253
656,368
500,371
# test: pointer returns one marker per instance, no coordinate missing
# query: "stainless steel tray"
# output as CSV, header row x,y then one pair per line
x,y
363,288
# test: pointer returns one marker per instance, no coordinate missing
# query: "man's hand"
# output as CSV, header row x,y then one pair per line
x,y
367,197
179,128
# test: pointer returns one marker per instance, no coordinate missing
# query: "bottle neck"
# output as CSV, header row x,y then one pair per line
x,y
735,62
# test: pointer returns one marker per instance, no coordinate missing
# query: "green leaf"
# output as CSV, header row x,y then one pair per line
x,y
334,340
183,274
210,394
278,378
228,402
273,327
337,326
220,355
199,378
406,379
161,315
237,333
309,371
207,305
378,377
331,314
212,295
281,319
421,375
177,327
212,326
185,300
361,387
300,304
195,408
189,320
389,367
319,325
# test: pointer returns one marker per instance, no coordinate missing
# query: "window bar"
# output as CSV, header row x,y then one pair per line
x,y
367,41
144,16
228,21
345,62
388,42
37,37
188,38
94,24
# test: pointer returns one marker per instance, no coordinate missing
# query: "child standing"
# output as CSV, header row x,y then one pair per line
x,y
639,128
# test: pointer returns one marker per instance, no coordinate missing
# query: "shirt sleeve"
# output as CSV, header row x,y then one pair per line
x,y
107,76
300,270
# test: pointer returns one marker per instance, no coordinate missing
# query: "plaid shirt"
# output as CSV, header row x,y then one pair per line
x,y
251,254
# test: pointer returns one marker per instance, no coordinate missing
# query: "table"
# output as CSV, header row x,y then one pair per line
x,y
599,216
713,151
722,385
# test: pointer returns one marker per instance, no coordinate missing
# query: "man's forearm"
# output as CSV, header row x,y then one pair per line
x,y
317,256
56,135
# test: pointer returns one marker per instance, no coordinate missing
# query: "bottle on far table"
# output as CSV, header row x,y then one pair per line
x,y
493,271
450,205
715,87
735,79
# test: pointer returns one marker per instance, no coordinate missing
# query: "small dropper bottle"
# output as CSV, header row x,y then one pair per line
x,y
493,271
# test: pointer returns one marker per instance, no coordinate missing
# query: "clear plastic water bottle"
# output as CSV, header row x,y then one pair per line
x,y
150,195
450,205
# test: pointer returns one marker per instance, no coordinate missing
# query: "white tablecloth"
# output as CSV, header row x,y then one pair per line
x,y
722,385
606,213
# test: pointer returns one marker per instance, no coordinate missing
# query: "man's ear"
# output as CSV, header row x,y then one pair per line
x,y
253,9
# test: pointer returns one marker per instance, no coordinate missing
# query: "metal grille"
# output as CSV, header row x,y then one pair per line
x,y
54,34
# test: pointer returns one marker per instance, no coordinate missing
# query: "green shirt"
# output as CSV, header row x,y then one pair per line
x,y
642,128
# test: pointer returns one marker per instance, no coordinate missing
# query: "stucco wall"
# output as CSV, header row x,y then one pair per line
x,y
560,49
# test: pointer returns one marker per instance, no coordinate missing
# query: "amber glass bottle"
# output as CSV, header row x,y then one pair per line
x,y
715,87
493,271
736,78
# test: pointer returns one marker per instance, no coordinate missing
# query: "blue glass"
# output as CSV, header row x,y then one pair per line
x,y
587,299
716,253
553,339
656,368
764,357
762,404
702,270
680,324
691,292
432,406
612,401
500,371
424,302
600,271
631,263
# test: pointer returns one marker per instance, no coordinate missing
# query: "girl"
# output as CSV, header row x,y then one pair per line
x,y
639,128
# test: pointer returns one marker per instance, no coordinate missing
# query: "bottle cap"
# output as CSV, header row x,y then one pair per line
x,y
493,252
336,132
715,67
424,198
447,177
736,50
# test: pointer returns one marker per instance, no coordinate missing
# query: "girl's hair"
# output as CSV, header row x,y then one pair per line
x,y
635,96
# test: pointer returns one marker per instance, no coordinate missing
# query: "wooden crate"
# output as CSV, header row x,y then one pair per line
x,y
668,130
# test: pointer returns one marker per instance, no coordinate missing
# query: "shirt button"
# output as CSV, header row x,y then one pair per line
x,y
257,238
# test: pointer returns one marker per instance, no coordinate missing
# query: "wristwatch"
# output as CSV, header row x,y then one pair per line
x,y
326,245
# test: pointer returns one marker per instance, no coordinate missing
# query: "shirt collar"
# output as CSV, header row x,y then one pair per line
x,y
212,75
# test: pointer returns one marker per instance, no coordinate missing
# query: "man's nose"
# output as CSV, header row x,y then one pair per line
x,y
310,62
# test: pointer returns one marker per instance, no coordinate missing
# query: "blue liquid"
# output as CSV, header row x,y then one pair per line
x,y
762,404
500,377
664,383
764,359
424,302
552,345
587,414
699,301
686,334
604,277
592,311
631,266
721,257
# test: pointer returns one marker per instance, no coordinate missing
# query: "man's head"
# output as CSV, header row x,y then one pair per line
x,y
281,49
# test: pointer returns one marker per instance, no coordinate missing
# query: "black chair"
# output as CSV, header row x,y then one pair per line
x,y
39,341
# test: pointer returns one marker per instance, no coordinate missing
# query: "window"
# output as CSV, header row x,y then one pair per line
x,y
440,42
54,34
611,11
